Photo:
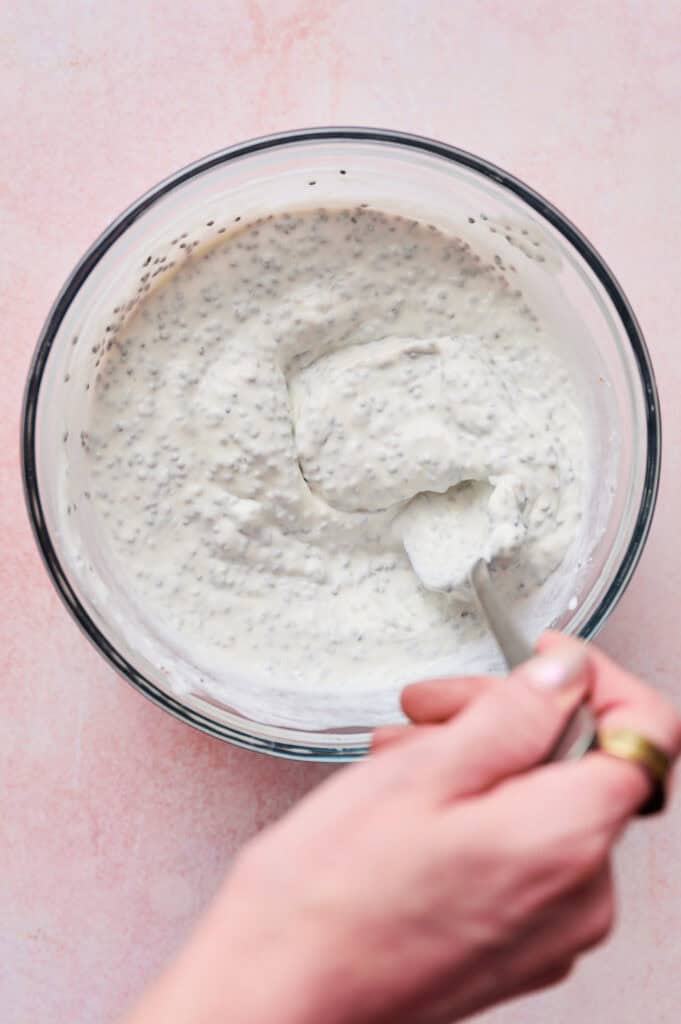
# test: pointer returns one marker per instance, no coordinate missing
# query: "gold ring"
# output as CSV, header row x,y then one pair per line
x,y
629,745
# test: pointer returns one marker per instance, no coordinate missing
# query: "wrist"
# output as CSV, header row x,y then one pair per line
x,y
266,969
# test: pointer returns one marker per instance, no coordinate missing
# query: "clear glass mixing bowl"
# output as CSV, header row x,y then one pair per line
x,y
566,280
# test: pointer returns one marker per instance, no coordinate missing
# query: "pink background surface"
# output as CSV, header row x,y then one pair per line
x,y
118,822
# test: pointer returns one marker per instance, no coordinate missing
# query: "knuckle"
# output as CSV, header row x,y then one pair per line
x,y
622,788
600,921
578,860
592,853
560,972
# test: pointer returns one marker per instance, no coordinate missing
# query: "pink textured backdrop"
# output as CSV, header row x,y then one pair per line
x,y
117,822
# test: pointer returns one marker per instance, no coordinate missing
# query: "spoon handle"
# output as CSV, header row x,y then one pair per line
x,y
510,640
580,732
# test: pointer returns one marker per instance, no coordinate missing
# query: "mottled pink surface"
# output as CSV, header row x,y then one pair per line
x,y
118,822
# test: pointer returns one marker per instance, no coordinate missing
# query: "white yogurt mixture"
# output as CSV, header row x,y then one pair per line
x,y
302,415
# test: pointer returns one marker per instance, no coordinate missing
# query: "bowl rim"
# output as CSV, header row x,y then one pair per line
x,y
300,745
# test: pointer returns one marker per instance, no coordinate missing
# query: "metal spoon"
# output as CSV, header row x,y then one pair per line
x,y
429,526
580,732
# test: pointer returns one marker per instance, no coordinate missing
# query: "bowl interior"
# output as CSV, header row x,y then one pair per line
x,y
564,281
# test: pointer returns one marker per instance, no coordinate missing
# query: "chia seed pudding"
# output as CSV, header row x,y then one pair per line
x,y
299,414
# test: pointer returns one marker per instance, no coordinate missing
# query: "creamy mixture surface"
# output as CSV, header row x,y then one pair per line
x,y
304,436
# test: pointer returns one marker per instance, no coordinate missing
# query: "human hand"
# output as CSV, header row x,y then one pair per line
x,y
617,698
447,872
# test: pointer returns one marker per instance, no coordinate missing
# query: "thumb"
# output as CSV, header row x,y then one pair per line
x,y
510,729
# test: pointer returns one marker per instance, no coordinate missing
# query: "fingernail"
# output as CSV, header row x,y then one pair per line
x,y
556,668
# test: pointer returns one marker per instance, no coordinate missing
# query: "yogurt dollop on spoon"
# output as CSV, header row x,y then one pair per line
x,y
444,535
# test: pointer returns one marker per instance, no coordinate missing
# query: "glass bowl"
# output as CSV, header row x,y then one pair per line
x,y
566,280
